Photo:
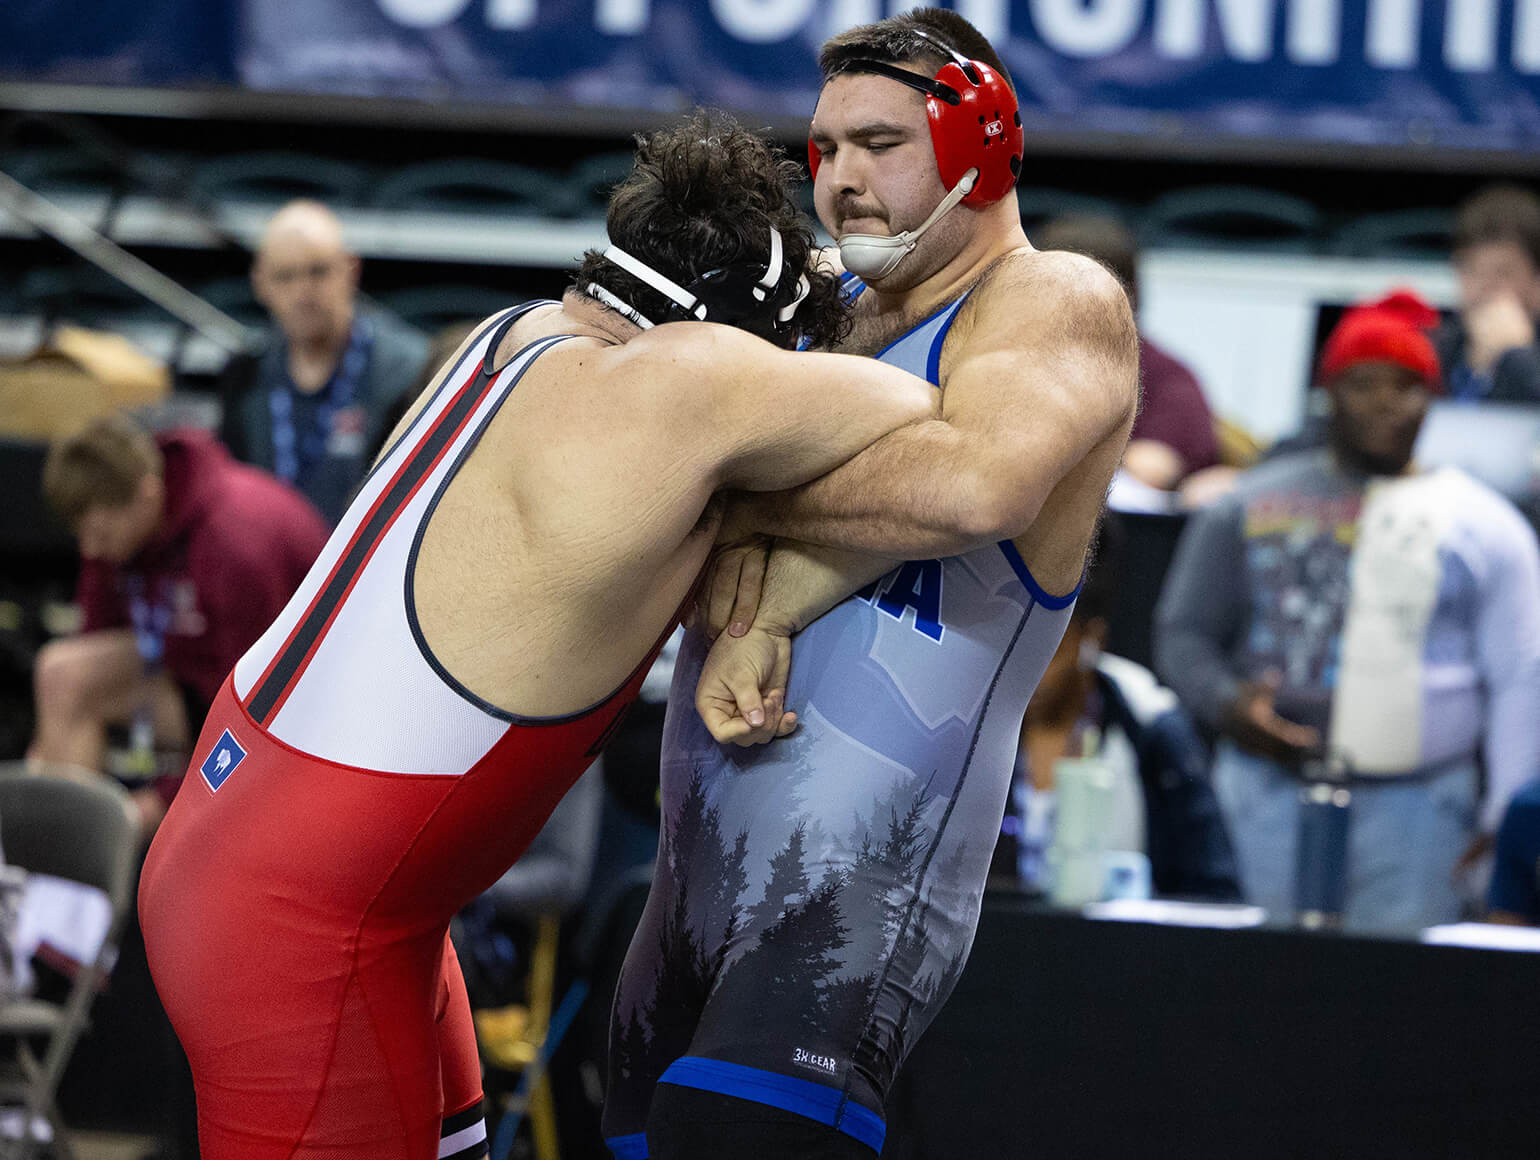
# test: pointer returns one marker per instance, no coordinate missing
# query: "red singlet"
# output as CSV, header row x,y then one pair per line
x,y
345,799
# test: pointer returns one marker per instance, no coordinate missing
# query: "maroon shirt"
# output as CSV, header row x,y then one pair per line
x,y
1175,412
233,547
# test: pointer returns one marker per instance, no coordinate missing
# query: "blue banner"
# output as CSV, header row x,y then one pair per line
x,y
1436,73
89,42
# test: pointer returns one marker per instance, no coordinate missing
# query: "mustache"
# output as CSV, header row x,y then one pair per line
x,y
846,208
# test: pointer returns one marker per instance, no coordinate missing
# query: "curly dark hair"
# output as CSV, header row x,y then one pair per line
x,y
701,196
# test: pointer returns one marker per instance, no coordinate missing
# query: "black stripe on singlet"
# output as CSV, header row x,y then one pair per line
x,y
461,1120
302,642
458,1123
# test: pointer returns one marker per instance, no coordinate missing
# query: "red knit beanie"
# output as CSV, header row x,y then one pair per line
x,y
1393,330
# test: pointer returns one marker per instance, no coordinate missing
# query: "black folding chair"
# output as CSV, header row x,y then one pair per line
x,y
81,830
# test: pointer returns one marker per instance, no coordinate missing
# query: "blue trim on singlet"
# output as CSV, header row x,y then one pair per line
x,y
933,356
1025,576
633,1147
933,359
803,1097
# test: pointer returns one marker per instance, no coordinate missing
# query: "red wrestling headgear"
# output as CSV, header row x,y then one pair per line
x,y
975,122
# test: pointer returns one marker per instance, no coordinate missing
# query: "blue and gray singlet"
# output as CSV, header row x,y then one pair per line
x,y
815,898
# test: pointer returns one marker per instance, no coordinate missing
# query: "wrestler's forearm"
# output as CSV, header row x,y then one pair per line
x,y
803,581
911,495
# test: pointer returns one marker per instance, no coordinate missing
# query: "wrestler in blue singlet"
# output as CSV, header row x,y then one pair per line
x,y
815,898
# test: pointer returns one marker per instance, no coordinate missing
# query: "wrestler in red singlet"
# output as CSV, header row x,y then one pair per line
x,y
356,797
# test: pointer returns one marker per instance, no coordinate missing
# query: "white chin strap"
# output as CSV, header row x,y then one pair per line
x,y
677,293
870,256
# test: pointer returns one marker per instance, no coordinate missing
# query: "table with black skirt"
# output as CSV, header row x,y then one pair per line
x,y
1070,1037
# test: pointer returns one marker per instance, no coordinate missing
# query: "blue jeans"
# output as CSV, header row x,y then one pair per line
x,y
1404,837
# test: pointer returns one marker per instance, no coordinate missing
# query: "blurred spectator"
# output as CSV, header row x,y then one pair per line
x,y
1341,601
313,404
1162,803
1514,896
1174,435
186,557
1489,350
441,349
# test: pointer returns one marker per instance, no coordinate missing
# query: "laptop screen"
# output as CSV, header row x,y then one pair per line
x,y
1498,443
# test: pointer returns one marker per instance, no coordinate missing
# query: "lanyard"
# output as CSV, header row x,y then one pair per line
x,y
150,617
292,454
1465,384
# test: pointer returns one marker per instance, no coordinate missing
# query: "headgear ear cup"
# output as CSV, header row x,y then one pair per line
x,y
982,131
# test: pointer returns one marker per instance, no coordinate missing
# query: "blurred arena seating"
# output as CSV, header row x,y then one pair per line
x,y
453,224
274,178
1231,216
473,184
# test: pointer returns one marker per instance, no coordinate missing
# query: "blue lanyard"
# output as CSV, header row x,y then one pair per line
x,y
150,619
291,455
1465,384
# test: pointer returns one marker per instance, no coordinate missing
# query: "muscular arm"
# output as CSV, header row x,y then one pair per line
x,y
1048,371
803,581
773,418
780,586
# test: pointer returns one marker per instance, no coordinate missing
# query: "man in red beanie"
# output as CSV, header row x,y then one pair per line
x,y
1341,602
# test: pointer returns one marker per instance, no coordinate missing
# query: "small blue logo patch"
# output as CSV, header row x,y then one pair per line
x,y
222,760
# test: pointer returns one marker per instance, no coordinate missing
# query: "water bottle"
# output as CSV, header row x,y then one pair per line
x,y
1320,883
1083,789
